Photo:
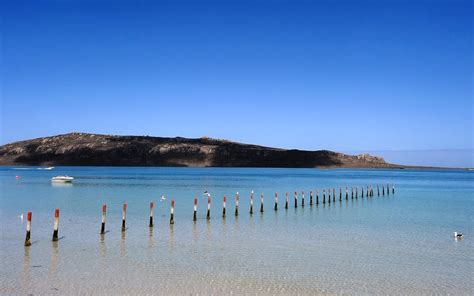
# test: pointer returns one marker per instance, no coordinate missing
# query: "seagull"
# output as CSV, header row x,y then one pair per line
x,y
458,235
21,217
162,198
206,193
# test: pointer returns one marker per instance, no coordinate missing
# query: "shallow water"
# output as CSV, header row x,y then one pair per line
x,y
396,244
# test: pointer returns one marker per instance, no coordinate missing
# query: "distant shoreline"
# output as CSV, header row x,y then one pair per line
x,y
83,149
228,167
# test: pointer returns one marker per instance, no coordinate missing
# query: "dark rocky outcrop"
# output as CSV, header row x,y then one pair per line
x,y
109,150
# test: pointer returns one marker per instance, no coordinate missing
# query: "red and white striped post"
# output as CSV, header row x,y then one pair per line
x,y
311,197
393,188
302,198
56,225
28,230
152,206
237,204
223,206
324,196
296,199
286,200
195,209
172,212
104,212
124,216
276,201
251,203
261,203
347,193
208,216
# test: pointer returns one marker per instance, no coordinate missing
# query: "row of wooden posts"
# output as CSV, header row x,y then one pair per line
x,y
354,194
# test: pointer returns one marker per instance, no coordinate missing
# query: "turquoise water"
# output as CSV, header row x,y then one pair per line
x,y
396,244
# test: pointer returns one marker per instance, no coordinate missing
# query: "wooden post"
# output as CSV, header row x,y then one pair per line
x,y
236,204
152,206
28,230
352,192
378,190
340,193
104,212
251,203
367,191
195,209
172,212
223,206
311,197
388,190
329,195
124,216
317,196
324,196
347,193
276,201
393,188
357,191
362,189
296,199
208,216
286,200
302,198
56,225
383,190
334,194
261,202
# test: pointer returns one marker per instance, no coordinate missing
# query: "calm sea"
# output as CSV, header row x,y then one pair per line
x,y
396,244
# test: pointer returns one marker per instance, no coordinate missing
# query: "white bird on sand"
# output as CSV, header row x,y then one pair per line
x,y
458,235
162,198
21,217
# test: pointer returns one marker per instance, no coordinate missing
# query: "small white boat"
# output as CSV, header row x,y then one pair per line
x,y
62,179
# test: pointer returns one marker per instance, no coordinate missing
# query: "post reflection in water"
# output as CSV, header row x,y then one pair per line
x,y
224,227
26,270
123,247
171,241
102,247
151,239
195,232
54,261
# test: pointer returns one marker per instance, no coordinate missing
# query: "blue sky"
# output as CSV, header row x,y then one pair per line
x,y
339,75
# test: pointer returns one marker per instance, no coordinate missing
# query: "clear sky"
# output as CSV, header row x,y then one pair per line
x,y
338,75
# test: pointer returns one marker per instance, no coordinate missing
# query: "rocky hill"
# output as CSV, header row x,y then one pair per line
x,y
108,150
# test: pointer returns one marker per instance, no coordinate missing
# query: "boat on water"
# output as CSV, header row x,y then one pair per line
x,y
62,179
